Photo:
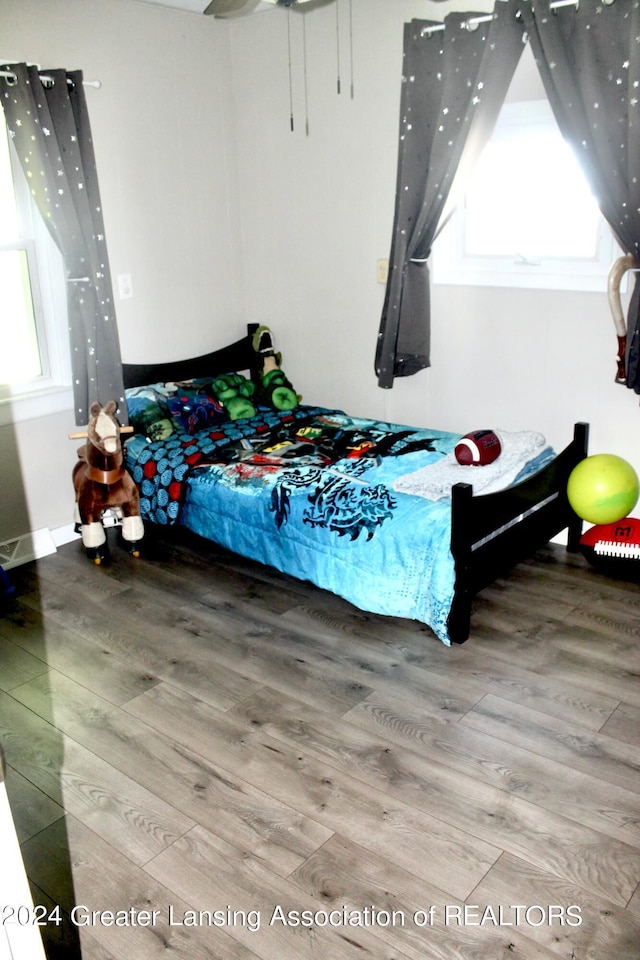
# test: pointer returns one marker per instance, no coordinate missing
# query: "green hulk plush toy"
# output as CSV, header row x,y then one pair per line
x,y
238,395
234,393
274,390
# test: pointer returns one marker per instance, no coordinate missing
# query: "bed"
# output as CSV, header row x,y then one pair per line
x,y
330,498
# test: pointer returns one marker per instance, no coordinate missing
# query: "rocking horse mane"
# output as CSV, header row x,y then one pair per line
x,y
103,450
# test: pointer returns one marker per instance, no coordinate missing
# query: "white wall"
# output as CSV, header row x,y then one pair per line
x,y
222,215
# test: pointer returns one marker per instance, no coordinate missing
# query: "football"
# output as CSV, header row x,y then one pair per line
x,y
479,448
614,548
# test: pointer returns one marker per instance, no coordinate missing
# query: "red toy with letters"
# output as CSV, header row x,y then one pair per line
x,y
614,548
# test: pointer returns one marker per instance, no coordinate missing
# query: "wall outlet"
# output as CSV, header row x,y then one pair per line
x,y
382,271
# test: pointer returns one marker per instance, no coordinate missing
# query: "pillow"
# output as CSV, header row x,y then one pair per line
x,y
148,411
193,413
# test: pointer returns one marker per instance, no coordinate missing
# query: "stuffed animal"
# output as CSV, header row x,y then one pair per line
x,y
274,390
102,484
234,392
238,395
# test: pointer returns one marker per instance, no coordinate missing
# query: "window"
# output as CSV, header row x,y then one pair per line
x,y
528,218
34,365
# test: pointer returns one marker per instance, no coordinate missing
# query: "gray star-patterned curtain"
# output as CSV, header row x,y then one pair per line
x,y
589,60
454,83
49,126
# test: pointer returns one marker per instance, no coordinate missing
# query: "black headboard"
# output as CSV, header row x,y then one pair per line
x,y
235,356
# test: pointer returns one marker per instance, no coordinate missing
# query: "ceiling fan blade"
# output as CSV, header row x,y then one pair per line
x,y
302,6
301,3
226,9
233,8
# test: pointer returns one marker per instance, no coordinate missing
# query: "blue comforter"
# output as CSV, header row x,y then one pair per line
x,y
311,493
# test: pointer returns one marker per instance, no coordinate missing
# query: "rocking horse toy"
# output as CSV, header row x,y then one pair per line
x,y
616,273
104,490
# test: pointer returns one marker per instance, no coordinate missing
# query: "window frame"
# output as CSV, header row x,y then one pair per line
x,y
451,264
49,392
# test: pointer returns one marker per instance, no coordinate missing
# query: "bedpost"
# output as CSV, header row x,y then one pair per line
x,y
256,365
580,450
459,620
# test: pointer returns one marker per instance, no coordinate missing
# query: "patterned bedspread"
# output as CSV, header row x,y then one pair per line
x,y
161,468
311,492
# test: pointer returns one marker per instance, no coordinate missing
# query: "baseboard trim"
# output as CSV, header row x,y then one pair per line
x,y
66,534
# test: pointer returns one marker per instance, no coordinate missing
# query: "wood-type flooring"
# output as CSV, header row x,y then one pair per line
x,y
207,759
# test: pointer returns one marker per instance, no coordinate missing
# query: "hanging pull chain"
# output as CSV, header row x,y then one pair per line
x,y
338,42
290,79
306,76
351,45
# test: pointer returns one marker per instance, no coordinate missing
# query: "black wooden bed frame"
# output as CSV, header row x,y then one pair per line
x,y
490,533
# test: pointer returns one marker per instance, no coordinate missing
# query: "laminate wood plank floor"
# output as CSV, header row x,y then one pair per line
x,y
210,760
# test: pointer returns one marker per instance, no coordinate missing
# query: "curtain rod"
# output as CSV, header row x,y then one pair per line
x,y
474,21
45,78
471,22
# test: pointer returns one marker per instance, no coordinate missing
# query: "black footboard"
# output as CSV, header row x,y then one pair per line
x,y
491,533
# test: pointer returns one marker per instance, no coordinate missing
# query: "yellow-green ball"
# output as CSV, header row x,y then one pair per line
x,y
603,488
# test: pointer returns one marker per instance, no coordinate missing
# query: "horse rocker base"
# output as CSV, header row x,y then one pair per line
x,y
105,493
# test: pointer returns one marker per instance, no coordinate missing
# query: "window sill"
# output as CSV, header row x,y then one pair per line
x,y
520,280
41,403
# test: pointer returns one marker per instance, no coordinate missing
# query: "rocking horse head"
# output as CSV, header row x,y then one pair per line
x,y
103,486
103,450
103,431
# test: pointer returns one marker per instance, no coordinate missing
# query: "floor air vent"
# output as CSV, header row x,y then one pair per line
x,y
30,546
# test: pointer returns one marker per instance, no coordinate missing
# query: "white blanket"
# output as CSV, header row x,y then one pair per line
x,y
434,482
